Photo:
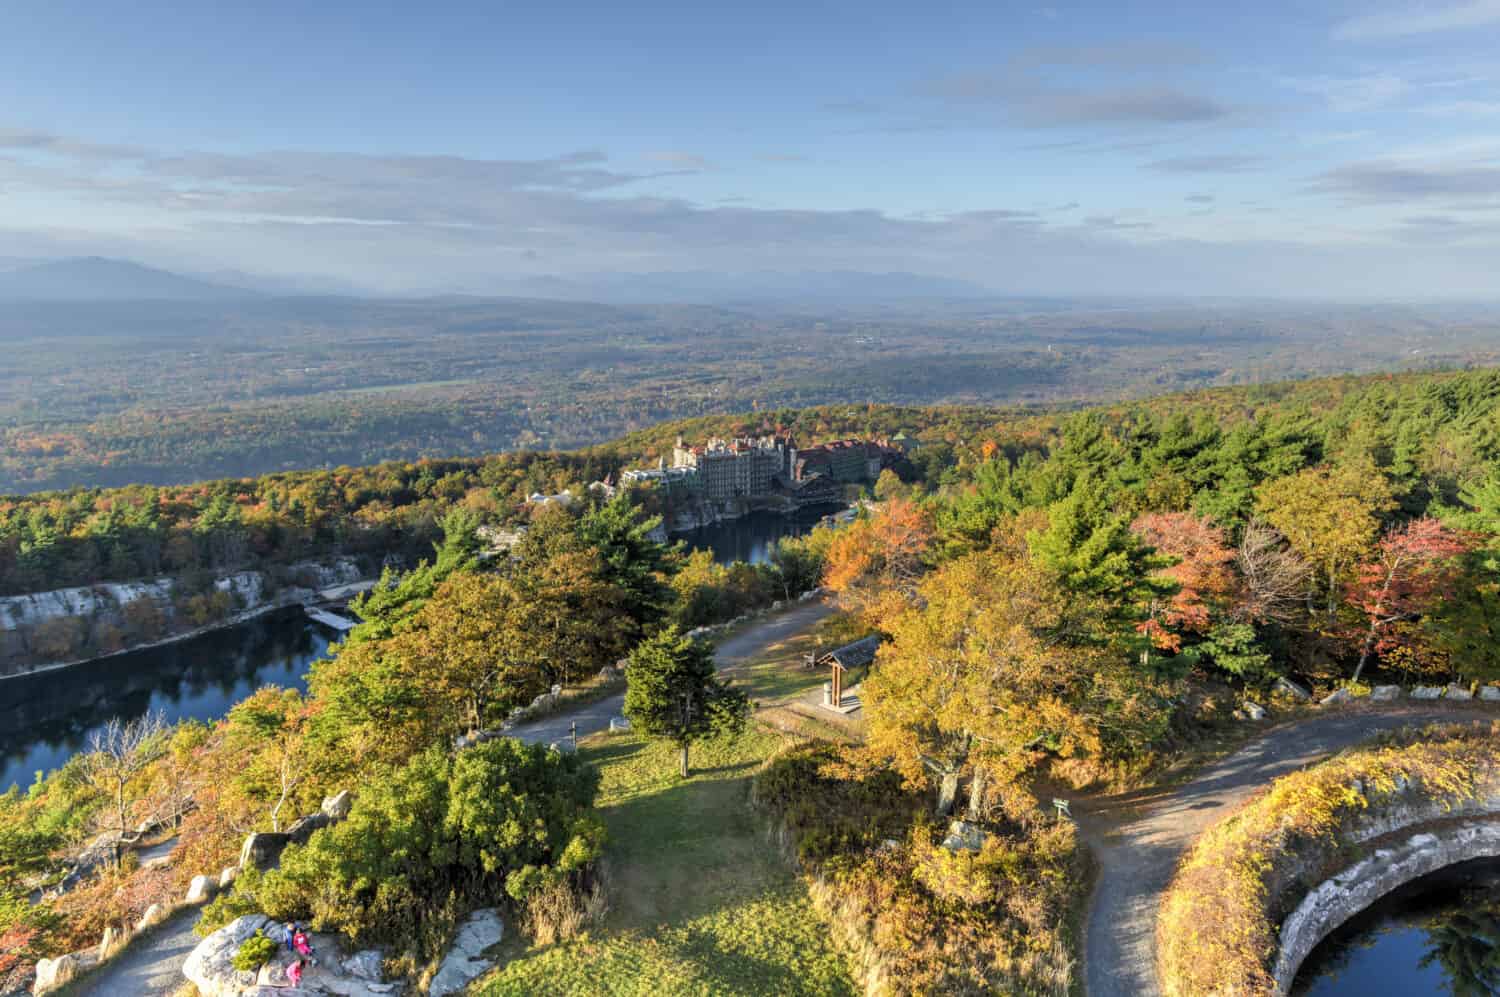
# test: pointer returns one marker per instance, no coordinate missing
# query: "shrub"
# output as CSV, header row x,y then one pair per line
x,y
437,837
924,919
1218,926
827,815
253,953
231,904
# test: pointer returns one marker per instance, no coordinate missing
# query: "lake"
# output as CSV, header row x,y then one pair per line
x,y
46,717
752,538
1439,935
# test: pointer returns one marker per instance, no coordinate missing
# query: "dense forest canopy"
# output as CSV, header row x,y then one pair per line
x,y
1431,434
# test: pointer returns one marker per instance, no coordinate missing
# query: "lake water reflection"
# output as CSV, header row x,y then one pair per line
x,y
1439,935
45,718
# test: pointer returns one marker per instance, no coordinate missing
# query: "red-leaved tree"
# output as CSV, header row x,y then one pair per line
x,y
1410,568
1203,573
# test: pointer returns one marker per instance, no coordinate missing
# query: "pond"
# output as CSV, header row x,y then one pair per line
x,y
46,717
752,538
1438,935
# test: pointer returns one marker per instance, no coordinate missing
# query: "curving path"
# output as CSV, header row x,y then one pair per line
x,y
152,967
754,639
1138,838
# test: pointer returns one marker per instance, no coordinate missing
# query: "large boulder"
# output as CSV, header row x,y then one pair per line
x,y
465,960
262,849
227,876
1385,693
1290,688
54,973
1337,697
1427,692
154,914
201,890
210,966
963,836
338,805
1489,693
1457,692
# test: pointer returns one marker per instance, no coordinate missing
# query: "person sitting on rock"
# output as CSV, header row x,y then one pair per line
x,y
302,944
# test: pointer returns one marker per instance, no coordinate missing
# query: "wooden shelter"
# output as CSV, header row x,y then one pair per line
x,y
842,659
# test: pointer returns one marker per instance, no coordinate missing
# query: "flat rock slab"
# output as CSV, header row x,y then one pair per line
x,y
464,961
210,967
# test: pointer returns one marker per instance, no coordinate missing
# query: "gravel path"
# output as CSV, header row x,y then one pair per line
x,y
1138,838
153,967
746,643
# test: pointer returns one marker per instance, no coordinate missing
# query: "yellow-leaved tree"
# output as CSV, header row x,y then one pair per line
x,y
991,670
1330,516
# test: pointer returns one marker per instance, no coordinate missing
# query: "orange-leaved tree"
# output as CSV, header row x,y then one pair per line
x,y
1202,573
878,554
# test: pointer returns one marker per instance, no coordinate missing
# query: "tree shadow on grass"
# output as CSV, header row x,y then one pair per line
x,y
614,750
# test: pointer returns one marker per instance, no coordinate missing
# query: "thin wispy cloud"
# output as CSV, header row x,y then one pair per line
x,y
1209,163
1396,181
1352,93
1427,20
688,161
1081,85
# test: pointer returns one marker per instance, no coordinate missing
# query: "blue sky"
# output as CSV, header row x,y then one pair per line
x,y
1307,149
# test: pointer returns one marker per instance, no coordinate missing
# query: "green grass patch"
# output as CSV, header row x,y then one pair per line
x,y
778,674
701,903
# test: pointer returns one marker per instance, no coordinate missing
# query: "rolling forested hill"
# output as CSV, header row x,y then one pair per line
x,y
168,392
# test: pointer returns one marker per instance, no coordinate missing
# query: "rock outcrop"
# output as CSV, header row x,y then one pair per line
x,y
465,961
337,806
303,827
210,967
261,850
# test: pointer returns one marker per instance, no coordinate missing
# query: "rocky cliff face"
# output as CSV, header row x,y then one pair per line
x,y
75,624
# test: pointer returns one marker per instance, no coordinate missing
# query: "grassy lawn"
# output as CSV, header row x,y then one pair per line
x,y
700,901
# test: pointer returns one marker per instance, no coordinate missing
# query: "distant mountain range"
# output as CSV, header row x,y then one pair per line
x,y
95,278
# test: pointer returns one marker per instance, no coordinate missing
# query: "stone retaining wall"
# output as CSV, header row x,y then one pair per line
x,y
1341,897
